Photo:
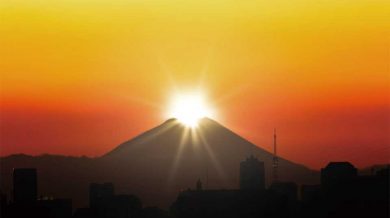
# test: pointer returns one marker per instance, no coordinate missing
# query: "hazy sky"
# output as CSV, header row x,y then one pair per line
x,y
80,77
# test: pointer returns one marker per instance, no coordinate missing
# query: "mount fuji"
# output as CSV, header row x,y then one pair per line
x,y
156,165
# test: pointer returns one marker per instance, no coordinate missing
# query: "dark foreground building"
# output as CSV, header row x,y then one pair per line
x,y
50,208
337,172
250,201
26,203
104,203
343,193
25,185
57,208
229,203
252,174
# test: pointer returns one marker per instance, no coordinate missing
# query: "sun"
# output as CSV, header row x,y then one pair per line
x,y
189,109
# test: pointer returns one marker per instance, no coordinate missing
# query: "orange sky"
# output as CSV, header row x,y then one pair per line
x,y
78,78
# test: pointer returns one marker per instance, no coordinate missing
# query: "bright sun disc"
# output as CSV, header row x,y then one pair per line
x,y
189,109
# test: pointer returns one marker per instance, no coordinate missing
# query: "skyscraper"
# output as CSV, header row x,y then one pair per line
x,y
25,185
252,174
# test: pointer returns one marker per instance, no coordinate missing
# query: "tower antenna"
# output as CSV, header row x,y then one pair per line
x,y
275,160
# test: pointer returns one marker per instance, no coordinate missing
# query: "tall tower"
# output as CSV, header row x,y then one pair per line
x,y
275,160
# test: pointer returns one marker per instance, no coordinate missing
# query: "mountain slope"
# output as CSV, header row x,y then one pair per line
x,y
172,157
155,165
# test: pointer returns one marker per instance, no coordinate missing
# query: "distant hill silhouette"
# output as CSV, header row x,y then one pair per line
x,y
155,165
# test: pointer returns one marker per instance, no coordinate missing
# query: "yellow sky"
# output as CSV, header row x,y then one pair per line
x,y
71,54
60,43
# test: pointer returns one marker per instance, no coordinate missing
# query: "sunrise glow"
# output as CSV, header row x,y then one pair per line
x,y
80,77
189,109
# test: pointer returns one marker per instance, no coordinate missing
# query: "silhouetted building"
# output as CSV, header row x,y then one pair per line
x,y
252,200
345,194
119,206
25,202
104,204
22,210
336,172
97,192
312,202
229,203
289,189
57,208
310,193
85,213
385,172
154,212
25,185
3,204
360,196
252,174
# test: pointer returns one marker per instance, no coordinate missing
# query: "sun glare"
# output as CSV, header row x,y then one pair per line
x,y
189,109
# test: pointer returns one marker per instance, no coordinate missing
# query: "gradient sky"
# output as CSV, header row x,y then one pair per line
x,y
80,77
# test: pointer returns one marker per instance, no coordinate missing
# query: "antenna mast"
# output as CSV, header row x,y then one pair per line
x,y
275,160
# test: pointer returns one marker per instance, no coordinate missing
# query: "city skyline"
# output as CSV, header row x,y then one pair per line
x,y
342,192
194,109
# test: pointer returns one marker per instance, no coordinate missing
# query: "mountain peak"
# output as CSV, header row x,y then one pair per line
x,y
158,163
174,156
169,132
171,137
200,121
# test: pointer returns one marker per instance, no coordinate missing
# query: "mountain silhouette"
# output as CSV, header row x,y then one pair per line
x,y
172,157
157,164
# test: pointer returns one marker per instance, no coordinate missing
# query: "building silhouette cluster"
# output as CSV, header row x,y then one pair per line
x,y
104,203
342,193
251,200
26,202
